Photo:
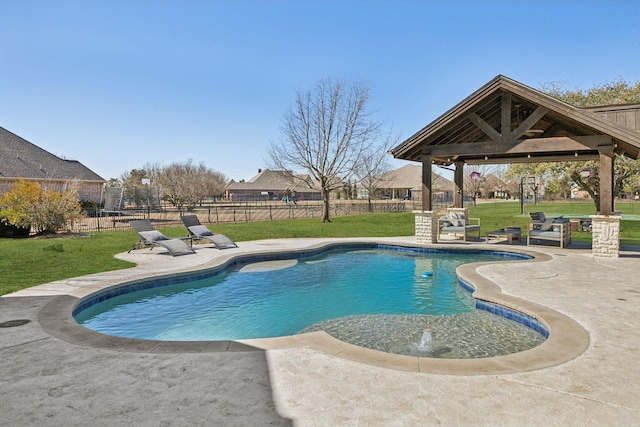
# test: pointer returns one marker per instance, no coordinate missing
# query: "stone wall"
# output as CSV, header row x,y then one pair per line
x,y
605,236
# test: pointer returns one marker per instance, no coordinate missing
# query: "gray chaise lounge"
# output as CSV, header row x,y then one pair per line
x,y
200,232
150,237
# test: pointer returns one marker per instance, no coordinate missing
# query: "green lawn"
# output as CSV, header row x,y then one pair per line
x,y
503,214
29,262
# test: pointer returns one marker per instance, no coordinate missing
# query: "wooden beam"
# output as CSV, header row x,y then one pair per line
x,y
606,183
523,146
485,127
426,182
505,117
533,159
458,180
528,123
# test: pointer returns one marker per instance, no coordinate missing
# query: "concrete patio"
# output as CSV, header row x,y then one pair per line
x,y
58,379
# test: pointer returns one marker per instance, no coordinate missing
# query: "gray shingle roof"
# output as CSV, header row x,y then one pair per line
x,y
20,158
410,176
270,180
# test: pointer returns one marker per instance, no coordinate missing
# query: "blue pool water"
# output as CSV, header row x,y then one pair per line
x,y
281,300
397,300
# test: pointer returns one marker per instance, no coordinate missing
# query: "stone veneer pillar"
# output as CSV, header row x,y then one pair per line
x,y
426,227
605,235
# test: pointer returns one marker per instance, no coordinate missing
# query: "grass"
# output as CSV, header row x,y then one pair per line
x,y
503,214
29,262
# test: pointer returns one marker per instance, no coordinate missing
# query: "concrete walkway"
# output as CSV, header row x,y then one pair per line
x,y
48,379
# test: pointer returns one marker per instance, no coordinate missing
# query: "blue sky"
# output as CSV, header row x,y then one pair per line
x,y
117,84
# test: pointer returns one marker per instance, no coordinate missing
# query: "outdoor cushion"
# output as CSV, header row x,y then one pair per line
x,y
445,221
200,230
541,234
152,236
457,218
537,216
459,228
547,225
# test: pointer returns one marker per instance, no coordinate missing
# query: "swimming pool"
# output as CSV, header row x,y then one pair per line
x,y
370,295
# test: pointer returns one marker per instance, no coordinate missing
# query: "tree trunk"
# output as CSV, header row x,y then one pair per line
x,y
325,205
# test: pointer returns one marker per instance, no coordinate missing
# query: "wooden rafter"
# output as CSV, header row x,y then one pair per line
x,y
524,146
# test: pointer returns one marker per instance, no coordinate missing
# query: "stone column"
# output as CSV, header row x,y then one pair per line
x,y
426,227
605,236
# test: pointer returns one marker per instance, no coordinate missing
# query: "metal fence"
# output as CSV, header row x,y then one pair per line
x,y
99,220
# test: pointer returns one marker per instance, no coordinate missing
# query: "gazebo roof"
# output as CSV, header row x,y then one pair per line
x,y
537,128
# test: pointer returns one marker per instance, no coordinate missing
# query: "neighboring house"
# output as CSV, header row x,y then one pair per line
x,y
271,185
20,158
406,183
493,188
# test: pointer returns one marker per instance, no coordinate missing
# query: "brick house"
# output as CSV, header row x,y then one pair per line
x,y
271,185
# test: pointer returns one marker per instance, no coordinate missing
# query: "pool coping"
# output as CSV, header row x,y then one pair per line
x,y
567,338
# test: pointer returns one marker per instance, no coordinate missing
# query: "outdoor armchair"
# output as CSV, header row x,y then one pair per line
x,y
543,229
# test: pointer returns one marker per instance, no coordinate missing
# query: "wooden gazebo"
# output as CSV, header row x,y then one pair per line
x,y
507,122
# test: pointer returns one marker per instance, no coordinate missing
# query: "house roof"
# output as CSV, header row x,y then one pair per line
x,y
627,115
270,180
410,176
538,128
22,159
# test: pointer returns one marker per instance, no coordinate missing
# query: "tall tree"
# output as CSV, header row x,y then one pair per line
x,y
585,175
324,134
374,164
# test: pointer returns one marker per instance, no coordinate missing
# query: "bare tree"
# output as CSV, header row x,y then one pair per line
x,y
187,184
476,178
374,164
324,134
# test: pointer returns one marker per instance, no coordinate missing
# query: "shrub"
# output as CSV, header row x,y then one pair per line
x,y
46,210
9,230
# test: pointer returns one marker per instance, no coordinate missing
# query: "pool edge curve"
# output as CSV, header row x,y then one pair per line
x,y
567,338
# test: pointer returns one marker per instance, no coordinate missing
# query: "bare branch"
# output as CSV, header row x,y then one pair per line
x,y
324,135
